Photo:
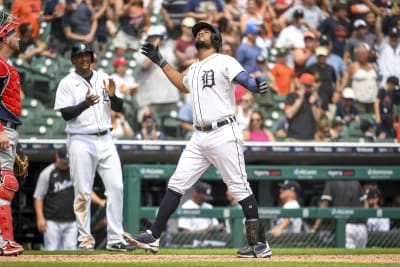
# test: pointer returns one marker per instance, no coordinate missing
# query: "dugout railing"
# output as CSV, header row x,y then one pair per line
x,y
134,212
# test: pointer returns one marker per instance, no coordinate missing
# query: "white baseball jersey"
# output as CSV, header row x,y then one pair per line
x,y
196,224
211,89
72,91
295,223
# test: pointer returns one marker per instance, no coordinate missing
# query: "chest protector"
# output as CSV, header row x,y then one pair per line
x,y
10,88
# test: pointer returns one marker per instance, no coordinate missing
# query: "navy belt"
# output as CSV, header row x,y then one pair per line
x,y
9,124
207,128
99,133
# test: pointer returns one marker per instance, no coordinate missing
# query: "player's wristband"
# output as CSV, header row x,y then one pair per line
x,y
162,65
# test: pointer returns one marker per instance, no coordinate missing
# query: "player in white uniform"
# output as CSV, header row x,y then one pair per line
x,y
217,138
84,98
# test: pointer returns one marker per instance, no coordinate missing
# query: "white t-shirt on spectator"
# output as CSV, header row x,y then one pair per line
x,y
196,224
313,15
291,35
295,223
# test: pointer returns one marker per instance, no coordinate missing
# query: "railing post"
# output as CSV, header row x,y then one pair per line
x,y
237,232
341,233
131,199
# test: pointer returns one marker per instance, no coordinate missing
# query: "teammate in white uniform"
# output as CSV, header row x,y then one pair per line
x,y
217,138
84,98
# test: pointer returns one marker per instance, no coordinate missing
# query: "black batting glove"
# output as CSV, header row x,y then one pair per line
x,y
262,86
151,51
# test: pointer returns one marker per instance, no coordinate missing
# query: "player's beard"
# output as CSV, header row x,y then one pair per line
x,y
201,44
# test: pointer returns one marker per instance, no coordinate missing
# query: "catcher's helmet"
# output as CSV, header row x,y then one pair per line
x,y
216,38
82,47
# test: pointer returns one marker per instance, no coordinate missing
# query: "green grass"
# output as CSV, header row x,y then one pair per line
x,y
277,251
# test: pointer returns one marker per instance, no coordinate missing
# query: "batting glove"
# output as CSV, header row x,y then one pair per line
x,y
151,51
262,86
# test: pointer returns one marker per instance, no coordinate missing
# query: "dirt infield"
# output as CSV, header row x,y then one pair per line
x,y
116,258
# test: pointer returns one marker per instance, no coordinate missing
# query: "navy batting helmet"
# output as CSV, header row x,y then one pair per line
x,y
82,47
216,38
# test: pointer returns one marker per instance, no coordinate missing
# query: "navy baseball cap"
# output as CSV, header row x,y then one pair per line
x,y
374,193
291,185
204,191
63,155
394,32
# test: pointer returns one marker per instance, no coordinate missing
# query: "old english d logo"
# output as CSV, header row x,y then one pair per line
x,y
208,78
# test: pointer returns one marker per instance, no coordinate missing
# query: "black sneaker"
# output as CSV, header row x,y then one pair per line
x,y
259,250
144,240
121,246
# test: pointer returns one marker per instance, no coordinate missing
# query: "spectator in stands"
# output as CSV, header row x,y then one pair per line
x,y
105,27
134,22
28,48
228,49
288,194
368,129
282,5
212,14
301,55
186,116
292,36
173,14
337,28
389,56
248,51
364,83
53,13
251,15
322,132
283,75
256,131
125,83
374,197
232,14
79,23
120,127
28,11
359,36
336,129
229,34
333,60
276,29
244,110
384,109
282,128
302,109
201,196
150,94
313,15
184,47
345,110
149,129
346,194
326,76
374,36
198,9
54,199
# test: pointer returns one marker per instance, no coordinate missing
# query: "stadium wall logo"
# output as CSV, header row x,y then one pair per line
x,y
340,173
379,173
260,173
151,172
305,173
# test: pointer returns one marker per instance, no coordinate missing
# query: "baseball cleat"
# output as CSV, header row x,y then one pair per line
x,y
121,246
11,248
259,250
144,240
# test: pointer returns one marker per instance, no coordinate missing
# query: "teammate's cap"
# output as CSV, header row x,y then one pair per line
x,y
321,51
204,191
374,193
291,185
82,47
348,93
360,23
120,61
188,22
307,78
394,32
63,155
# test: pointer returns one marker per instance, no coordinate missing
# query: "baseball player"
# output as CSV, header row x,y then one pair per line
x,y
84,98
217,138
10,110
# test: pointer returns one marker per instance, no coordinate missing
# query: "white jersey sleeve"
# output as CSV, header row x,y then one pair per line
x,y
64,95
232,67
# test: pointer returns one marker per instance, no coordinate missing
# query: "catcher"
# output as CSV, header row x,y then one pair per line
x,y
10,110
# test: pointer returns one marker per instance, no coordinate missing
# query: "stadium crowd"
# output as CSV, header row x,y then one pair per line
x,y
332,66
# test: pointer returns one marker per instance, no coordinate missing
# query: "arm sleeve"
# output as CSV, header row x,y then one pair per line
x,y
327,194
42,185
247,81
70,113
116,103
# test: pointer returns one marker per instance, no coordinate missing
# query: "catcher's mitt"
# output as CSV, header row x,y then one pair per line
x,y
21,163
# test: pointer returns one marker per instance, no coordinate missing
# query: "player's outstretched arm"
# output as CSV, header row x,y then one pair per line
x,y
252,84
175,77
